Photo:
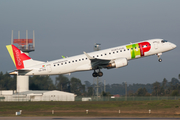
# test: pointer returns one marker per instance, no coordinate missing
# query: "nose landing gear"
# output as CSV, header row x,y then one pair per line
x,y
160,60
159,57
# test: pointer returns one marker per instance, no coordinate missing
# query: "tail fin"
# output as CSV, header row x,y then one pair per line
x,y
17,56
20,59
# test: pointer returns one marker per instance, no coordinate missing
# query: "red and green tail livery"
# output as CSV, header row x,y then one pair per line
x,y
17,56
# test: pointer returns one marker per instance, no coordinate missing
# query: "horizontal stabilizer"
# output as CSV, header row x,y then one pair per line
x,y
19,72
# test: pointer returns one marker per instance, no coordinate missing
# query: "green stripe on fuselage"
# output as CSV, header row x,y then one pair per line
x,y
134,50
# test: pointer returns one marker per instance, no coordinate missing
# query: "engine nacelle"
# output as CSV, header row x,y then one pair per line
x,y
118,63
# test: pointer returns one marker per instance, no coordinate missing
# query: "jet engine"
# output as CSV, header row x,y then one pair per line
x,y
118,63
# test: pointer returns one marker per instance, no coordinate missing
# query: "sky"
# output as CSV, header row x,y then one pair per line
x,y
69,27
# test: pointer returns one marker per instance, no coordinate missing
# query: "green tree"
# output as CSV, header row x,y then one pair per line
x,y
41,83
62,83
164,86
141,92
156,89
174,83
164,83
7,82
87,83
76,86
105,94
90,91
175,93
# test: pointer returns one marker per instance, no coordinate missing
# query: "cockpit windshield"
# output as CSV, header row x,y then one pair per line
x,y
163,41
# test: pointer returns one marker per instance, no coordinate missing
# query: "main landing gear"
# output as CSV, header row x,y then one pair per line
x,y
159,57
97,74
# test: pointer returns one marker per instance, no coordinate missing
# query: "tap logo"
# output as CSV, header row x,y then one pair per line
x,y
18,59
139,49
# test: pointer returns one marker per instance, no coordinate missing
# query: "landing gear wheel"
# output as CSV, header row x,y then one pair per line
x,y
94,74
100,74
160,60
97,74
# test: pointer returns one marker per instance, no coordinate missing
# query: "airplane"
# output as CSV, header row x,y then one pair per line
x,y
115,57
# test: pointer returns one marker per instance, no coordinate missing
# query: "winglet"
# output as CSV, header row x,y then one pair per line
x,y
88,56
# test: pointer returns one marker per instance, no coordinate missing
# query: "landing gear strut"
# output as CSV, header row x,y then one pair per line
x,y
97,74
159,57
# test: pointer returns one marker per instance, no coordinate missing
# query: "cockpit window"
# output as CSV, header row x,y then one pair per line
x,y
163,41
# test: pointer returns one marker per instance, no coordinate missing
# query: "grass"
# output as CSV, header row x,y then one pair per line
x,y
159,108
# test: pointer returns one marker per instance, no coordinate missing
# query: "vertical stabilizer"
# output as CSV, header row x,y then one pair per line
x,y
17,56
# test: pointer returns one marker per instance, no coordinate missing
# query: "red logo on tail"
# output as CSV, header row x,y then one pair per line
x,y
19,57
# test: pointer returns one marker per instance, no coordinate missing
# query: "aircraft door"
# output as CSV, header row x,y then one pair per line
x,y
156,45
48,67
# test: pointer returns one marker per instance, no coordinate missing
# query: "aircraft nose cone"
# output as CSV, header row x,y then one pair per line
x,y
173,46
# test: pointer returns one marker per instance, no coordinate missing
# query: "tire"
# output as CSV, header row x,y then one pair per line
x,y
94,74
100,74
160,60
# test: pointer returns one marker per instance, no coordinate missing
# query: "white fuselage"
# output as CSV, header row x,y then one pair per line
x,y
83,63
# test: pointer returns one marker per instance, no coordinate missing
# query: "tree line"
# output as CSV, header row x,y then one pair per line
x,y
62,83
74,85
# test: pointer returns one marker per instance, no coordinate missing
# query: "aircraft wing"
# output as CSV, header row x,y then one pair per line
x,y
97,63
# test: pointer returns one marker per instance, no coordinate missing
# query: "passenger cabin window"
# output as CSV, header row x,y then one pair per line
x,y
163,41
